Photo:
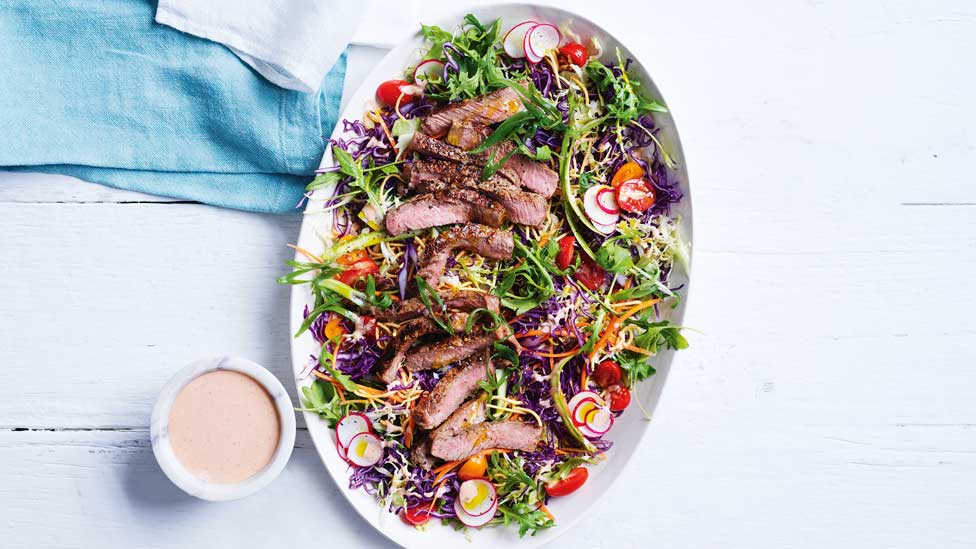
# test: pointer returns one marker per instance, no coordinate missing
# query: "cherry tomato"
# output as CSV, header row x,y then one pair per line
x,y
565,256
630,170
635,196
570,484
358,271
352,258
590,274
619,399
333,328
388,92
473,468
576,53
416,515
369,327
607,374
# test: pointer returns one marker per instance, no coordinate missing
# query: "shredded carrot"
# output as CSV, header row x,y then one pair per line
x,y
637,308
543,508
638,350
379,118
570,352
408,432
306,253
614,326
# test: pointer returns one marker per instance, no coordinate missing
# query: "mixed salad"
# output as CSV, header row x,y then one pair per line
x,y
495,273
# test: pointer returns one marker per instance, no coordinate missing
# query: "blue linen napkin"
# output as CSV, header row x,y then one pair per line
x,y
97,90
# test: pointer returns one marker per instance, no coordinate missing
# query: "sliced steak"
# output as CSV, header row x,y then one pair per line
x,y
510,435
521,170
487,109
447,351
409,333
470,413
445,208
466,135
430,147
521,207
420,453
453,301
426,175
433,408
532,175
482,240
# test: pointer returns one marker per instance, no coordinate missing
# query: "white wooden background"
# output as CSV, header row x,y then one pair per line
x,y
828,401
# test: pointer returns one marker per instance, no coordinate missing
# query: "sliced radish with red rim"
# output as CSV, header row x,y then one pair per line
x,y
364,450
514,41
596,211
477,496
582,409
607,201
530,54
584,395
425,68
351,425
599,420
474,522
540,40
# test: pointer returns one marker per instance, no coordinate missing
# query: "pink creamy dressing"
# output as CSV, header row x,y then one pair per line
x,y
224,427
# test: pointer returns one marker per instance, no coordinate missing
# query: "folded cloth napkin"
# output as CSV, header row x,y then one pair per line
x,y
96,89
273,36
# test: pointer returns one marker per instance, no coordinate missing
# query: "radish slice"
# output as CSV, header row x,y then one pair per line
x,y
605,229
530,54
364,450
587,432
351,425
599,420
584,395
427,67
514,41
474,522
607,201
541,39
582,410
596,213
477,497
342,451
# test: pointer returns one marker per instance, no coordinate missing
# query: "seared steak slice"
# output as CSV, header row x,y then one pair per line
x,y
521,207
482,240
510,435
429,146
420,453
445,208
485,110
409,333
434,407
534,176
467,135
447,351
421,174
521,170
453,301
470,413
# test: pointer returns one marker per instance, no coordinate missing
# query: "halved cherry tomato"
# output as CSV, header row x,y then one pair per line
x,y
333,328
416,515
607,374
635,196
619,399
565,256
369,327
358,271
473,468
570,484
630,170
352,258
576,53
590,274
388,92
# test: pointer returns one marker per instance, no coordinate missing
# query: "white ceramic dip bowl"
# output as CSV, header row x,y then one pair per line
x,y
193,484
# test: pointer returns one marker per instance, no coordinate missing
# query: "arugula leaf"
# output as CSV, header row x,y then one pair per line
x,y
519,495
655,336
614,258
529,284
321,398
626,103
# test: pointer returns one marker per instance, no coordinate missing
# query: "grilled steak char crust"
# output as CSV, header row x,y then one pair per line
x,y
470,413
409,333
433,408
488,109
482,240
512,435
450,350
414,307
448,207
525,172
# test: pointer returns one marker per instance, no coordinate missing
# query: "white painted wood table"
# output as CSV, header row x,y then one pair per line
x,y
827,401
